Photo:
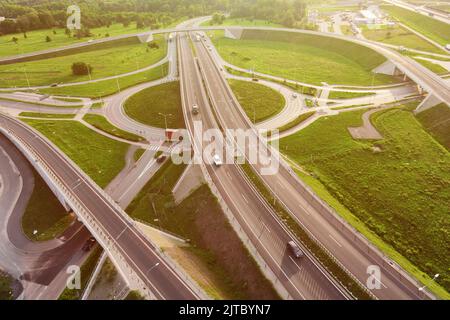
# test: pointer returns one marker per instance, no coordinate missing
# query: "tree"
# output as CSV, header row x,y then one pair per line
x,y
15,40
153,45
81,69
25,35
48,39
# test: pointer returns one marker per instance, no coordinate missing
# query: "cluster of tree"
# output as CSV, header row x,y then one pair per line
x,y
81,69
289,13
27,15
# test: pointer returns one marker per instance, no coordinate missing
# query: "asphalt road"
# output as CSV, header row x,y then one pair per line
x,y
301,277
139,253
305,208
35,264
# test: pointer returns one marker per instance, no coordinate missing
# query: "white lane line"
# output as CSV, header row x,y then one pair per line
x,y
303,208
380,282
292,259
245,199
229,175
335,240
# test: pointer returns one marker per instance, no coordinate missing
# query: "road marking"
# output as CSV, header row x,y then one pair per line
x,y
300,268
335,240
244,198
229,175
303,208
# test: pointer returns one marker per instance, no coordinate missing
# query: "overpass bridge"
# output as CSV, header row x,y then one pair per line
x,y
144,266
436,87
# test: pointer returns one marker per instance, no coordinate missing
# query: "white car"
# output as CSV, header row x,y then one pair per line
x,y
294,95
217,161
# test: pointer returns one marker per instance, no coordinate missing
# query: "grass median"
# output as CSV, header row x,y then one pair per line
x,y
101,123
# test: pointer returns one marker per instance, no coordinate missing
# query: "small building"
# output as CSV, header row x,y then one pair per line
x,y
371,15
2,19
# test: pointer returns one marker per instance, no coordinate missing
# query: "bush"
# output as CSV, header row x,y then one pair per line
x,y
81,69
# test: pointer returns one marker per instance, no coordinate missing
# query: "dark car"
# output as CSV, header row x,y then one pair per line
x,y
89,244
161,158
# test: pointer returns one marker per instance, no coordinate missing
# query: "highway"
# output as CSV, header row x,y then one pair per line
x,y
139,253
305,208
35,264
303,279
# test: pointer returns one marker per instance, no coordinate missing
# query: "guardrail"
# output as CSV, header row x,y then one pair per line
x,y
331,216
109,244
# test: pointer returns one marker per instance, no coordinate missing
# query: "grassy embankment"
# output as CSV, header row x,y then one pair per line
x,y
436,121
429,27
99,157
101,123
44,213
35,40
302,57
146,106
220,263
258,101
5,286
399,36
368,182
107,59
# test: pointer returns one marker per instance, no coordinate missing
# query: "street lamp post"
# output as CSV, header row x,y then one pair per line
x,y
165,118
422,289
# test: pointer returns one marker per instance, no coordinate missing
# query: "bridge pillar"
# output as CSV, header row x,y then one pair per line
x,y
388,68
234,33
145,38
429,102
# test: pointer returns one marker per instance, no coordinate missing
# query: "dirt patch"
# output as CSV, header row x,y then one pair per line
x,y
367,131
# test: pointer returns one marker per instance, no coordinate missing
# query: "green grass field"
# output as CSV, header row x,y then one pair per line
x,y
429,27
105,62
99,157
372,186
199,218
437,122
101,123
146,106
399,36
245,23
258,101
108,87
35,40
306,58
44,213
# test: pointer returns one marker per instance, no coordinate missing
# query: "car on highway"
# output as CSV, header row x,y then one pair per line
x,y
296,251
89,244
217,161
294,95
161,158
54,85
447,47
195,109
